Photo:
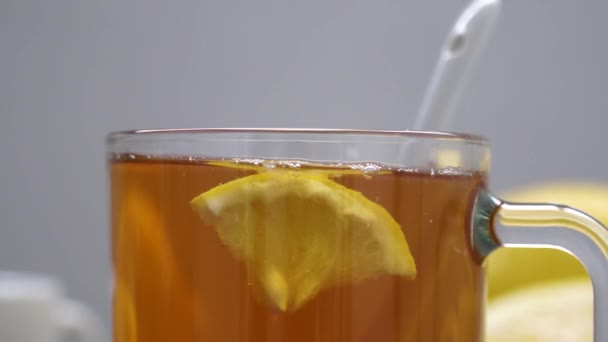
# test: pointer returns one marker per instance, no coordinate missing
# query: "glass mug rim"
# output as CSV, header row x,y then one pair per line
x,y
410,134
411,150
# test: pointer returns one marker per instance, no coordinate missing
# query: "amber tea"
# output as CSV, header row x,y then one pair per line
x,y
269,251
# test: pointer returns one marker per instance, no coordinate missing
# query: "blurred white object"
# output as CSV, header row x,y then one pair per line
x,y
453,69
34,308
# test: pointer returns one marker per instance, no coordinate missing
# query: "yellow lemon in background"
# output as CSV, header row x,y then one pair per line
x,y
300,233
551,312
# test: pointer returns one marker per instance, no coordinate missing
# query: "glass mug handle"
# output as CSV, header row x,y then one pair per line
x,y
550,226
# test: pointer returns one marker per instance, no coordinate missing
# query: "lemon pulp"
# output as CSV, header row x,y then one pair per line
x,y
300,233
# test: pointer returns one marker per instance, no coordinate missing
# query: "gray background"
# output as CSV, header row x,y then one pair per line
x,y
73,70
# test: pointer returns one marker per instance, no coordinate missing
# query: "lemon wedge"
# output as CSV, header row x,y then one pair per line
x,y
300,233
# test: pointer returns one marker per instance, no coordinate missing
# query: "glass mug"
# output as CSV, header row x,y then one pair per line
x,y
237,235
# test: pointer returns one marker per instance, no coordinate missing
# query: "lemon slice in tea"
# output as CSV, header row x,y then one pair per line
x,y
301,232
